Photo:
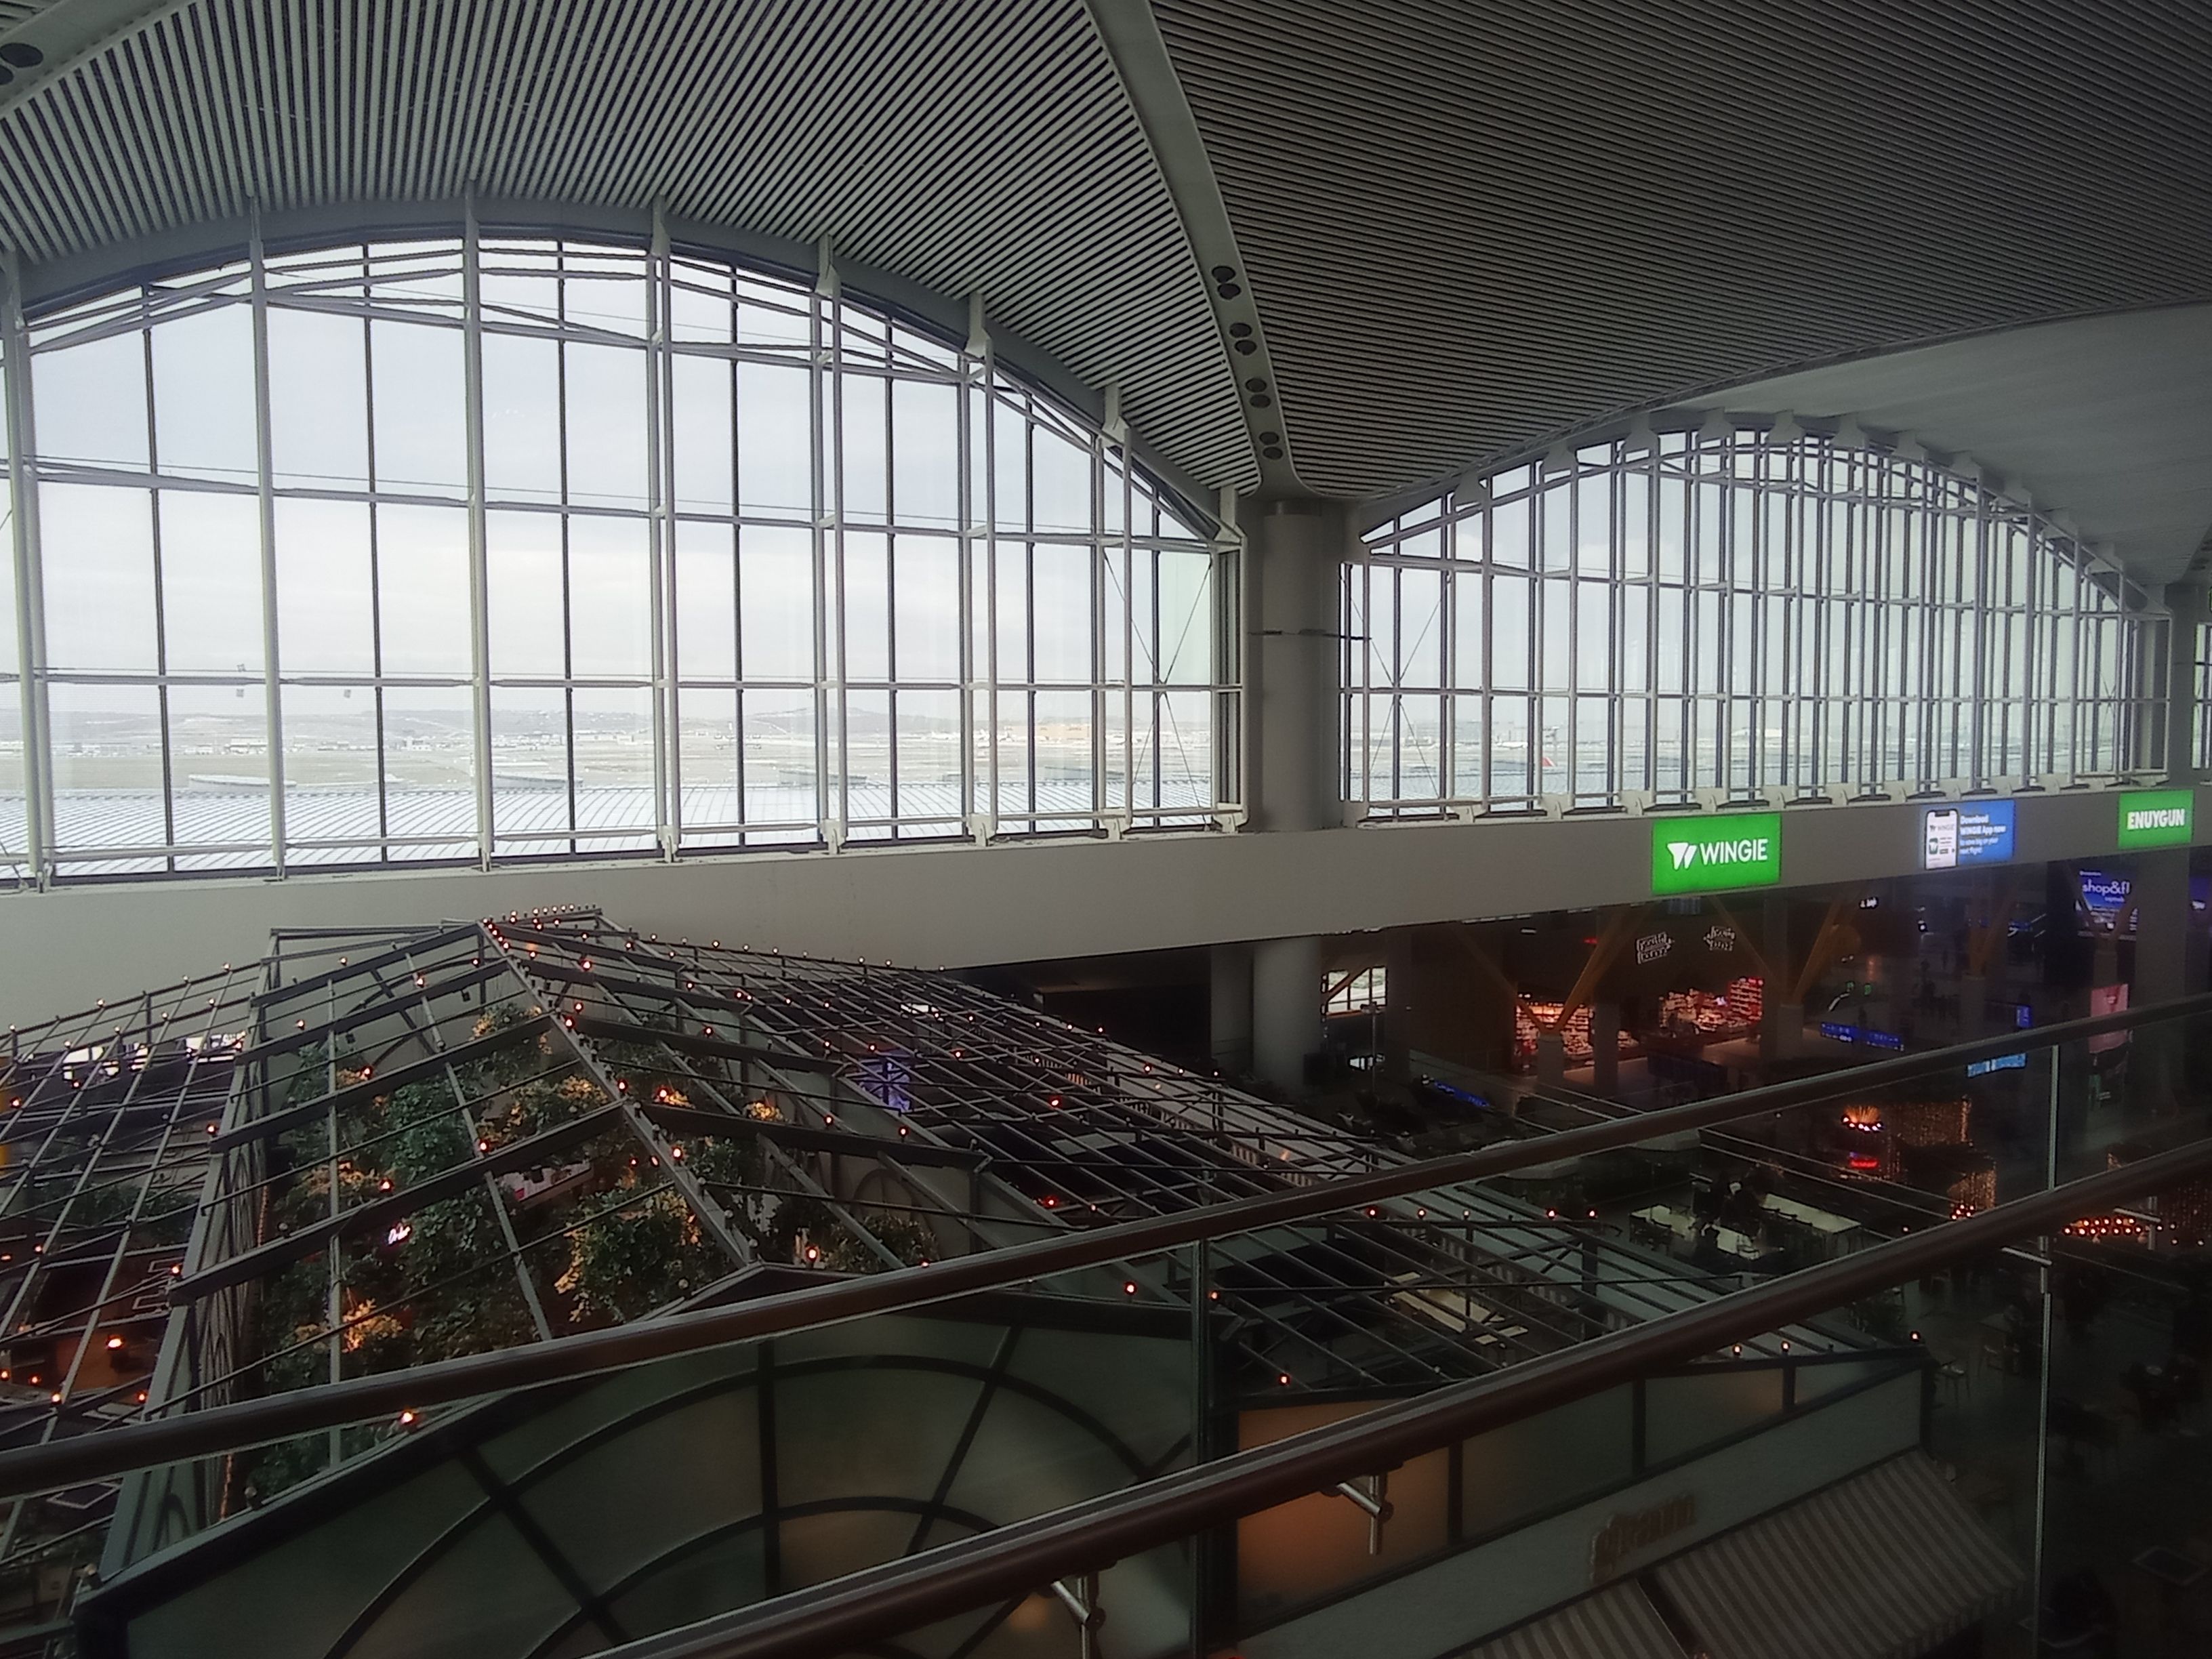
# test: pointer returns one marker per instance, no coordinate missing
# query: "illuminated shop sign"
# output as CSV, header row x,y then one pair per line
x,y
1865,1036
2013,1062
1701,855
1976,832
2157,818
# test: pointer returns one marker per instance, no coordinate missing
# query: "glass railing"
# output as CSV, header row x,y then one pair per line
x,y
800,1438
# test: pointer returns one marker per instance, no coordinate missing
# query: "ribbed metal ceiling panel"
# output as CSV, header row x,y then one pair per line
x,y
982,148
1470,226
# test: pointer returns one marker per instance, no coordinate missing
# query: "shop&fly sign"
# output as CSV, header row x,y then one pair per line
x,y
1705,856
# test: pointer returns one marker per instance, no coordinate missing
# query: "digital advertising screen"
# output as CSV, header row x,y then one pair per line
x,y
1969,832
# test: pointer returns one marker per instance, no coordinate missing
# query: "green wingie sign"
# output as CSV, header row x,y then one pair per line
x,y
1702,855
2157,818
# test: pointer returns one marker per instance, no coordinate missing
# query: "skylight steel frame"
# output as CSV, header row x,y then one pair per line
x,y
1141,707
1758,613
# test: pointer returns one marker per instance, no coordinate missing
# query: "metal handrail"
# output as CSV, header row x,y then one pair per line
x,y
883,1602
117,1450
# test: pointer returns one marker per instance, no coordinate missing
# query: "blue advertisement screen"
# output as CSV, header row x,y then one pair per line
x,y
1973,832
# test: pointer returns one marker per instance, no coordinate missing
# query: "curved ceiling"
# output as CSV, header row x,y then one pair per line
x,y
1471,225
1347,247
2107,420
983,148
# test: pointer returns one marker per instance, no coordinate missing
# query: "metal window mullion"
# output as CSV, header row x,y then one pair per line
x,y
472,414
661,546
1978,768
963,453
30,602
991,576
1097,670
568,584
824,410
266,495
1447,659
2073,725
891,678
159,572
1029,613
1125,473
375,588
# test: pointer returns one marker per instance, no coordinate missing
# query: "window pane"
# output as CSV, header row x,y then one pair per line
x,y
318,399
706,601
1061,615
929,623
91,402
106,766
211,582
606,425
325,606
524,591
775,441
422,598
219,770
776,620
421,434
204,422
610,600
99,559
700,388
522,418
331,770
925,441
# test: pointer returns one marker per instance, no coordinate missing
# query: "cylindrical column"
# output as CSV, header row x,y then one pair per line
x,y
1230,1027
1605,1048
1294,761
1286,1019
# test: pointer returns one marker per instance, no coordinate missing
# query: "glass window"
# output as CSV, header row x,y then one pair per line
x,y
1750,639
813,579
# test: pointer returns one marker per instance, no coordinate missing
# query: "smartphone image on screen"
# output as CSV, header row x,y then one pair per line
x,y
1942,848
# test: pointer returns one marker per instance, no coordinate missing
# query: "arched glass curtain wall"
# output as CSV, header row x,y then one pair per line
x,y
492,546
1719,614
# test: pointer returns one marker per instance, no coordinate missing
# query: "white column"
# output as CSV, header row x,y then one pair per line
x,y
1294,760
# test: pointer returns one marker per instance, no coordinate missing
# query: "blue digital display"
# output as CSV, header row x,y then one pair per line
x,y
1973,832
1865,1036
2001,1063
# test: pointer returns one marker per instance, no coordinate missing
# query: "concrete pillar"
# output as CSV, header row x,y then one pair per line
x,y
1287,1017
1774,946
1230,1024
1551,1059
2163,924
1605,1048
1398,1014
1294,761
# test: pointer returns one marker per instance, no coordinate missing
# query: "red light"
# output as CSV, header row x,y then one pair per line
x,y
1864,1161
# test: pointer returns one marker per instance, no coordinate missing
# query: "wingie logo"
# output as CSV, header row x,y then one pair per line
x,y
2158,817
1698,855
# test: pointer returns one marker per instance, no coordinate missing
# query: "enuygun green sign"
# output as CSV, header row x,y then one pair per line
x,y
2157,818
1700,855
